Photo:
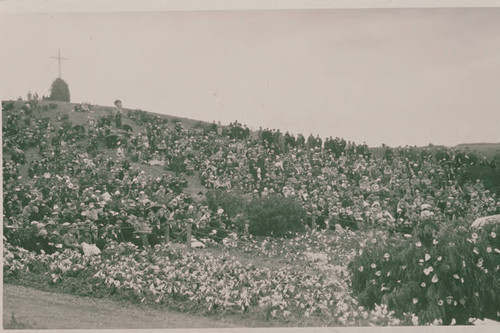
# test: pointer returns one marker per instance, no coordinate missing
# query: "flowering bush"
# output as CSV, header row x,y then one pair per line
x,y
455,277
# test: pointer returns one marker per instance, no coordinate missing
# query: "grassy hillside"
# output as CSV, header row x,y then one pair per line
x,y
77,118
485,149
53,109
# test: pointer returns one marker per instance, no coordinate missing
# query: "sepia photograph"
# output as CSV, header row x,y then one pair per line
x,y
250,168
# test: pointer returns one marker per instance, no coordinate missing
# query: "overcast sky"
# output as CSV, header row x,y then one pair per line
x,y
407,76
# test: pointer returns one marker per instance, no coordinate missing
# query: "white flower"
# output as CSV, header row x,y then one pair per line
x,y
440,302
423,285
418,244
387,255
378,273
435,242
435,279
373,266
439,258
475,251
360,268
488,249
456,276
493,235
437,321
427,257
415,300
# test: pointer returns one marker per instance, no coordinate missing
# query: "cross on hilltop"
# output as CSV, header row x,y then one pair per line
x,y
59,58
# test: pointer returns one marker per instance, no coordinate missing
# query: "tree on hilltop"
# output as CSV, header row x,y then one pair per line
x,y
59,91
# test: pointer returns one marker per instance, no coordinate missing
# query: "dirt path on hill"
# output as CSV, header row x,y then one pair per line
x,y
39,309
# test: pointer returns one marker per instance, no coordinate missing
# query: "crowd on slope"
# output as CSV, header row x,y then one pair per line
x,y
88,183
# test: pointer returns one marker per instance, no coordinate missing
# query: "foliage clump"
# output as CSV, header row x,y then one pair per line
x,y
451,278
59,91
232,203
275,216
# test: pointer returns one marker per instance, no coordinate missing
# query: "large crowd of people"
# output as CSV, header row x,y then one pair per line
x,y
92,182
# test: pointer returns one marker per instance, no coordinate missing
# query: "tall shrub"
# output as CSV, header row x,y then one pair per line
x,y
232,203
275,216
59,91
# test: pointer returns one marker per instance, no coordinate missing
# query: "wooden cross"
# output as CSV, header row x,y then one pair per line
x,y
59,58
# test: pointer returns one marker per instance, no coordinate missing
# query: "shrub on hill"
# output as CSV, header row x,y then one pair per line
x,y
232,203
488,174
455,276
275,216
59,91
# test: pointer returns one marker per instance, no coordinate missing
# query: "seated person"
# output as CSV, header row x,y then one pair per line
x,y
69,237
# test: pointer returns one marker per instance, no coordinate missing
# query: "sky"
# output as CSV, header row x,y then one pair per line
x,y
394,76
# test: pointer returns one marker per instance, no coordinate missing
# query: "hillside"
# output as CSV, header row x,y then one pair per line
x,y
192,217
485,149
77,118
53,109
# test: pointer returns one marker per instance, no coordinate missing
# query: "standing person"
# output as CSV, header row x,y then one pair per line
x,y
118,119
118,114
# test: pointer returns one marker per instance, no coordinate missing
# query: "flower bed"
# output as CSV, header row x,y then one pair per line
x,y
197,281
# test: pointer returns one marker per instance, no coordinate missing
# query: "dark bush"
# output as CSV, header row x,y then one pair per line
x,y
454,276
26,238
275,216
53,106
59,91
488,174
232,203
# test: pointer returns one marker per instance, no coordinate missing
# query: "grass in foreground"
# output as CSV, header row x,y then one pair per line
x,y
16,324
